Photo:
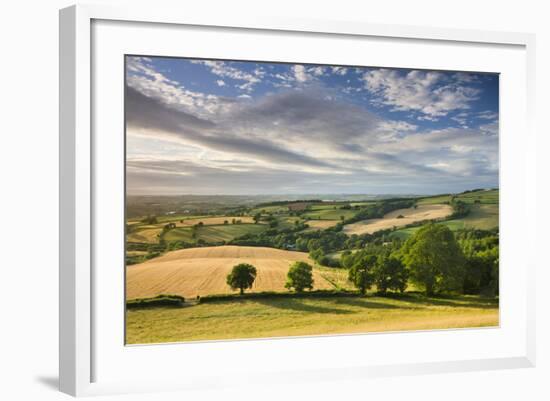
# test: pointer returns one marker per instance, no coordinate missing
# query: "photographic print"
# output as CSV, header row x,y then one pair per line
x,y
287,199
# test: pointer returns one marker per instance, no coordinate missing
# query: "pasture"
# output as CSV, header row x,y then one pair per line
x,y
392,219
213,233
329,214
210,221
288,316
145,235
481,216
202,271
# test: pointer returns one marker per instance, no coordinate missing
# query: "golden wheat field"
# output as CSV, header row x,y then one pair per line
x,y
321,224
203,271
410,215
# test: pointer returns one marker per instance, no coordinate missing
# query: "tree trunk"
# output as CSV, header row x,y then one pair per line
x,y
242,290
429,289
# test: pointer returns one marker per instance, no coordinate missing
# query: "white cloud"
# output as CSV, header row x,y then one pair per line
x,y
241,145
222,69
156,85
339,70
220,82
487,115
300,73
428,93
317,71
462,119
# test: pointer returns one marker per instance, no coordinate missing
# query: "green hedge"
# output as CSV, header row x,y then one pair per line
x,y
267,294
159,300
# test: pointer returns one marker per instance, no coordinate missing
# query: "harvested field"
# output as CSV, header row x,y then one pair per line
x,y
321,224
149,235
410,215
203,271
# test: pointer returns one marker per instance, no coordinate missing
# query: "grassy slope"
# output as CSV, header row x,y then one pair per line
x,y
330,214
294,317
483,215
214,233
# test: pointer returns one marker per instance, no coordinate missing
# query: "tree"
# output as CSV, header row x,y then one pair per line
x,y
242,276
257,217
390,274
299,277
434,259
361,275
317,254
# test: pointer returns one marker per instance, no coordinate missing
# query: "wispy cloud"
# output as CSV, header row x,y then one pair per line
x,y
433,94
319,138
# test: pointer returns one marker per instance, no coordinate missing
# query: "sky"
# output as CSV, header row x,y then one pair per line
x,y
209,127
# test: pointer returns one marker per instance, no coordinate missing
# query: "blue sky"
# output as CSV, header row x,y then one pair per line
x,y
227,127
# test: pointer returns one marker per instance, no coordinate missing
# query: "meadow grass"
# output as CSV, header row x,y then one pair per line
x,y
484,216
481,216
483,197
269,209
214,233
239,319
329,214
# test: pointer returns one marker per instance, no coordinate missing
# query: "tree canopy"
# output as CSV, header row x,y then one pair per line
x,y
299,277
241,277
434,259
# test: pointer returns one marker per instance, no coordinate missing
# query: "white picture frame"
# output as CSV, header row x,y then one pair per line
x,y
81,342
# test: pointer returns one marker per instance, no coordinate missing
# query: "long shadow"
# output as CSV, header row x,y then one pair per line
x,y
447,300
297,304
366,303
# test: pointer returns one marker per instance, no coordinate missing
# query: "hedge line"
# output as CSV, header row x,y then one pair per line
x,y
159,300
269,295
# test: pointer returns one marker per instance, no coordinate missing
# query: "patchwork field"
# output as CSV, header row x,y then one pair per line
x,y
202,271
483,217
301,316
321,224
329,214
213,233
147,235
392,219
207,221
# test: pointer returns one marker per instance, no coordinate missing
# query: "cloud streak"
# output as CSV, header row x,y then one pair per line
x,y
307,136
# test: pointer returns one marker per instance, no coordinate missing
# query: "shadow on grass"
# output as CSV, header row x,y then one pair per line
x,y
455,301
298,305
368,303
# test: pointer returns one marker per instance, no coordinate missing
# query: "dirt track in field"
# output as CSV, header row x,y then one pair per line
x,y
410,215
203,271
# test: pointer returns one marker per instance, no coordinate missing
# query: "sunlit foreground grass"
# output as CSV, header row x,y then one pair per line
x,y
279,317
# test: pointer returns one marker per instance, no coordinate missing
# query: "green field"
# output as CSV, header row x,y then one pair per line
x,y
306,316
481,216
269,209
214,233
327,206
483,197
329,214
484,217
287,222
434,200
